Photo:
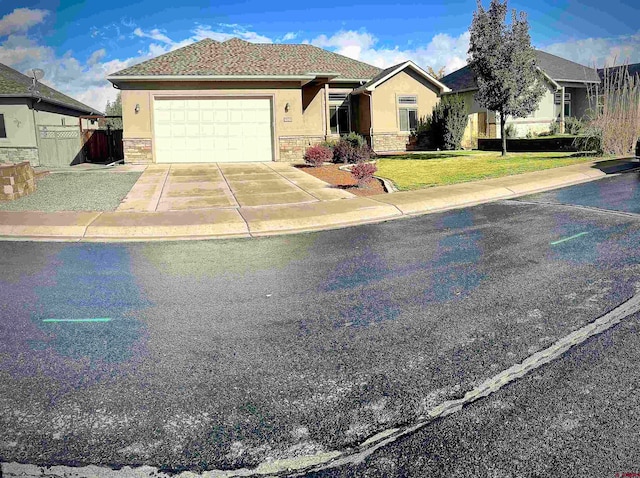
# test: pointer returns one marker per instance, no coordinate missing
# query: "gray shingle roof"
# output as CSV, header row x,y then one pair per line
x,y
15,84
633,69
238,57
554,66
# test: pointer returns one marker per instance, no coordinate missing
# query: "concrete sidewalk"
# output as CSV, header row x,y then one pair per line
x,y
247,220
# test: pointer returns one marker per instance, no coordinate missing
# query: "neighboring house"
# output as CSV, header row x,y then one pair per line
x,y
41,126
568,84
238,101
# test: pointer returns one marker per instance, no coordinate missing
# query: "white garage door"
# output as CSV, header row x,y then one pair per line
x,y
212,130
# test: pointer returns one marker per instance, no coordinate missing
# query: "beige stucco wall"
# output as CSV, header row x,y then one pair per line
x,y
385,102
295,121
18,121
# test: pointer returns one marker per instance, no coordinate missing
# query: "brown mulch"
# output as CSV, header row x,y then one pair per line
x,y
342,179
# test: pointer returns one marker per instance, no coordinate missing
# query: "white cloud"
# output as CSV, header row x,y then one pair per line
x,y
154,34
441,50
20,20
289,36
232,31
599,51
96,56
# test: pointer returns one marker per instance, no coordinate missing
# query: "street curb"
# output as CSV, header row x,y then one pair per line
x,y
254,221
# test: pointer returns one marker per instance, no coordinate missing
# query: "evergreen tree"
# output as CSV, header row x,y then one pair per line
x,y
503,61
114,109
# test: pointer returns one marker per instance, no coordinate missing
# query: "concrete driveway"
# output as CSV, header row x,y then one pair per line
x,y
225,185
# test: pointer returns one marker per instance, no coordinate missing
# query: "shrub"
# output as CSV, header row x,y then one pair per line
x,y
423,135
316,155
328,143
363,172
510,130
554,128
455,121
356,140
590,140
346,152
342,151
573,126
445,128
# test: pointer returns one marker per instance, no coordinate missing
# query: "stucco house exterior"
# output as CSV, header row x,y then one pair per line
x,y
238,101
567,95
31,121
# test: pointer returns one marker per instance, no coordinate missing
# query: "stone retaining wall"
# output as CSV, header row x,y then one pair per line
x,y
18,155
292,148
137,151
17,180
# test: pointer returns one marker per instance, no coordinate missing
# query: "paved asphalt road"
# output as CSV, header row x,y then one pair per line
x,y
222,354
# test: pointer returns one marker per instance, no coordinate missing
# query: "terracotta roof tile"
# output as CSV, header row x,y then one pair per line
x,y
238,57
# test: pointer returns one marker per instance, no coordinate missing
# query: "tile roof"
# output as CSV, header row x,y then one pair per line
x,y
13,83
238,57
554,66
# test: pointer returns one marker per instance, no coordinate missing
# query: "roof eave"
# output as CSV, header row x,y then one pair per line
x,y
52,101
578,81
464,90
443,88
115,78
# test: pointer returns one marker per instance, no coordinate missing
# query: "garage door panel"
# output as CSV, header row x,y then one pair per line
x,y
206,116
178,130
213,130
193,116
177,116
192,130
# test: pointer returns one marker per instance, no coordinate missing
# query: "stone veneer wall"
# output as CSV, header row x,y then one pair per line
x,y
17,180
390,142
18,155
292,148
137,150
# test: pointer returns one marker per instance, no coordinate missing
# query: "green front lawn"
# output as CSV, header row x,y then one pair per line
x,y
441,168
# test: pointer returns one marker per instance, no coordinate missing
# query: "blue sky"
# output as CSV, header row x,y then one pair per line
x,y
78,43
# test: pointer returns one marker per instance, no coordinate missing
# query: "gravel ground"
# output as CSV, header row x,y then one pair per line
x,y
85,191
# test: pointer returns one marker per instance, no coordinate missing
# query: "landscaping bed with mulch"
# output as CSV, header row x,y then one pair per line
x,y
331,174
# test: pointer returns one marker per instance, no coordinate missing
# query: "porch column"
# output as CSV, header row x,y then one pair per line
x,y
562,110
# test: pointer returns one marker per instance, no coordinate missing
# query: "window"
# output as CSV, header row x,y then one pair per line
x,y
338,97
339,119
3,130
408,119
339,112
408,112
407,100
567,104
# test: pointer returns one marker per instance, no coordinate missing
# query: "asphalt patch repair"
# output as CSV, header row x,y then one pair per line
x,y
311,344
